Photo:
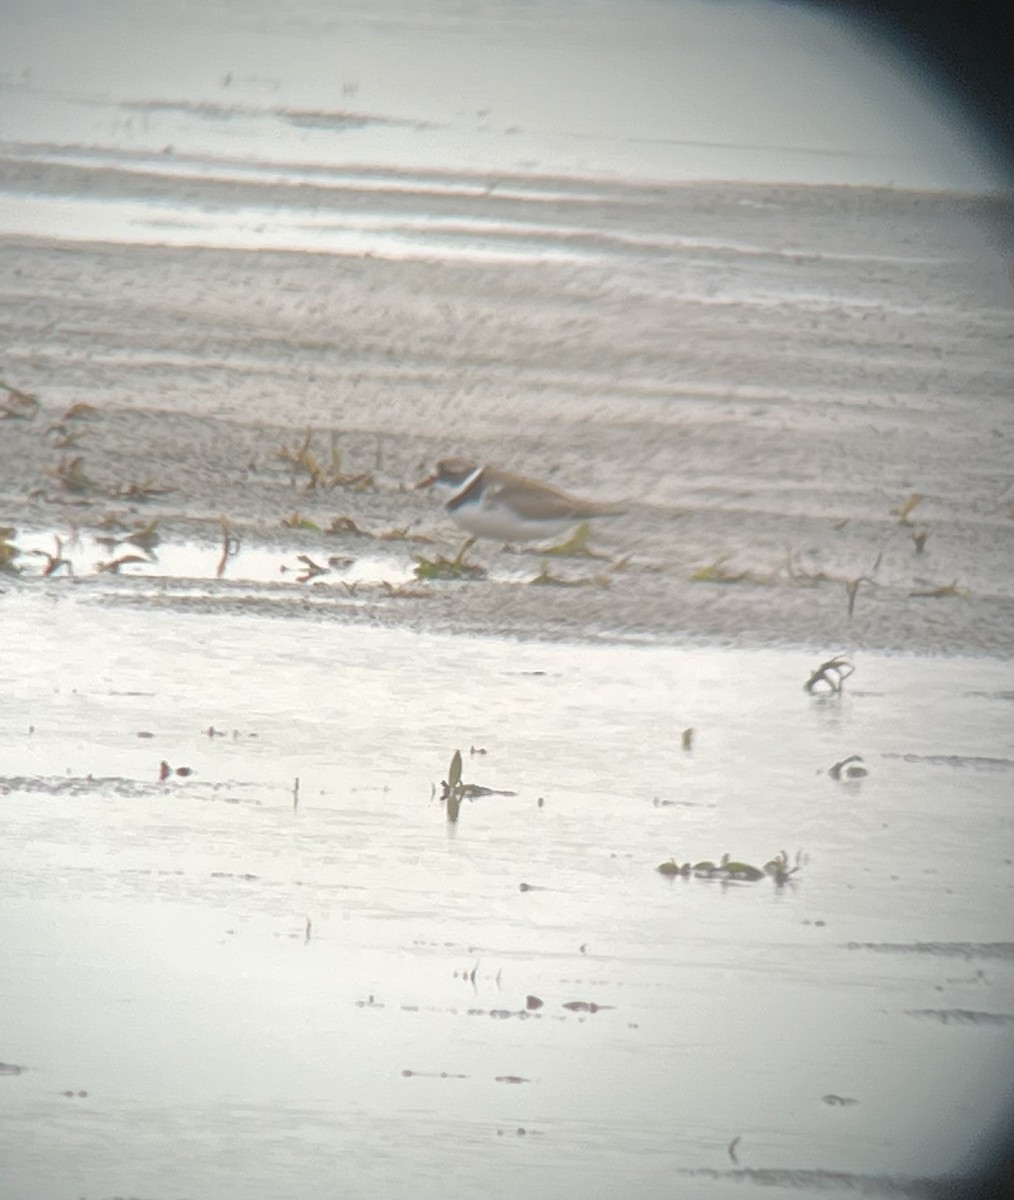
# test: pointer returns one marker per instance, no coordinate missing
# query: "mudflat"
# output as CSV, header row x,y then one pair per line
x,y
802,395
255,947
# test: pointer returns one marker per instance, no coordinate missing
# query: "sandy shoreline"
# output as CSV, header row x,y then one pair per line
x,y
255,945
224,837
767,388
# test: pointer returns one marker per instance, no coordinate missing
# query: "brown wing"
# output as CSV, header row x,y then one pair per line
x,y
535,500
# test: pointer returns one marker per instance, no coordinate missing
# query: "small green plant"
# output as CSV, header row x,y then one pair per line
x,y
576,546
297,521
8,551
718,572
448,568
145,536
729,870
740,870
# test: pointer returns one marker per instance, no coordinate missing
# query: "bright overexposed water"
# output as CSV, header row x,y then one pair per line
x,y
245,950
323,986
152,95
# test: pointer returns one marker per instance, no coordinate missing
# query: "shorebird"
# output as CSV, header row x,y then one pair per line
x,y
489,503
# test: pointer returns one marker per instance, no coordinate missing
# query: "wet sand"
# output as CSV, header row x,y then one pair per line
x,y
766,376
221,985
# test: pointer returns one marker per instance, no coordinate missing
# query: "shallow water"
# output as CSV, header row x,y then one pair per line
x,y
276,94
246,953
330,997
186,562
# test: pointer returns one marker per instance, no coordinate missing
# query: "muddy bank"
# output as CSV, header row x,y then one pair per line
x,y
767,375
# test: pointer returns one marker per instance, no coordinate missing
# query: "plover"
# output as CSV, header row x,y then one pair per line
x,y
489,503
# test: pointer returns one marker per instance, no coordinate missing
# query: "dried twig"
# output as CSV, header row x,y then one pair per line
x,y
832,673
19,405
230,546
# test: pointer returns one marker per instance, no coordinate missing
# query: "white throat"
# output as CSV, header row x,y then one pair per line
x,y
452,490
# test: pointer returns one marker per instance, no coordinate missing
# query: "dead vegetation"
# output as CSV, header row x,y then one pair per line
x,y
69,470
322,474
317,462
346,526
125,560
940,592
730,870
16,405
792,574
790,571
53,561
75,483
830,676
848,768
70,474
231,546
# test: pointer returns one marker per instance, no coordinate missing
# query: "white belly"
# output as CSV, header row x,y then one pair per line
x,y
503,525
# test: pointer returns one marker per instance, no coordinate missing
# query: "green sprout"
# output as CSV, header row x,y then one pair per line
x,y
448,568
8,551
